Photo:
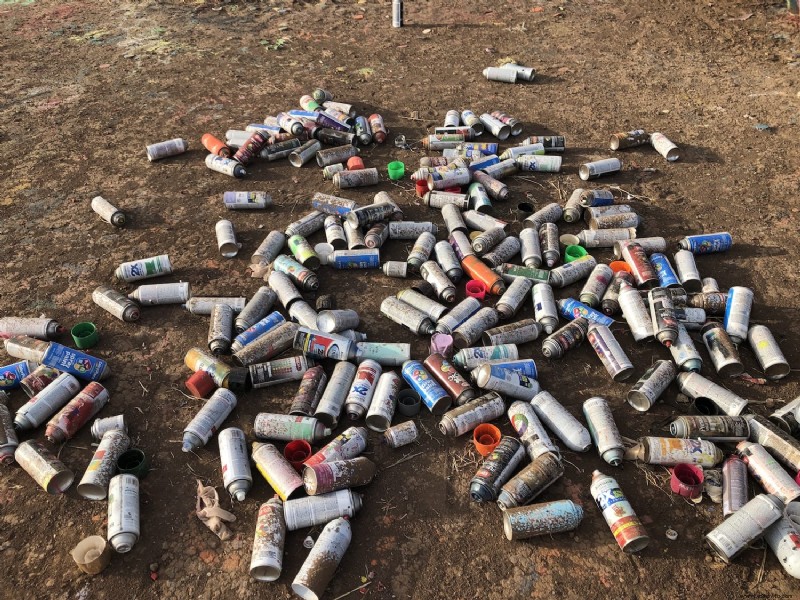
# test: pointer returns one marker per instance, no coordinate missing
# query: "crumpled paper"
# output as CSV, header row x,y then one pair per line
x,y
210,513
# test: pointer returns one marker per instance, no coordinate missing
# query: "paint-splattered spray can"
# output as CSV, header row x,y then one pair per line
x,y
561,422
77,412
331,476
256,309
44,467
323,560
519,332
734,485
596,285
108,212
783,538
164,149
595,169
767,472
747,524
144,268
435,275
278,472
226,166
467,417
652,384
496,470
266,561
401,435
271,426
335,394
684,352
308,395
94,483
544,307
531,481
320,509
604,430
37,380
384,400
269,249
123,512
458,315
362,389
768,352
348,444
618,513
470,330
564,339
722,350
530,248
576,270
41,327
208,419
405,314
530,430
220,329
609,303
513,298
116,303
525,522
162,293
236,475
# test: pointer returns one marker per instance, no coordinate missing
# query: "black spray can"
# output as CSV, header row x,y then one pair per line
x,y
496,469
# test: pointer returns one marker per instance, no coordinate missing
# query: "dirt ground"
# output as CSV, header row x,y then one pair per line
x,y
86,85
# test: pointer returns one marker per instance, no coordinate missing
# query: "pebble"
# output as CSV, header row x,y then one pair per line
x,y
154,567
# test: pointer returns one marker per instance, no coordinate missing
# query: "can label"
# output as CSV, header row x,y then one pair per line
x,y
75,362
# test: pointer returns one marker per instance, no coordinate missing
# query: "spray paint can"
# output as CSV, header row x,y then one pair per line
x,y
327,477
470,358
283,287
734,485
395,268
227,166
672,451
384,400
767,472
564,339
117,304
635,312
571,272
95,481
783,538
713,396
651,385
496,189
570,309
467,417
435,275
268,344
450,379
318,344
8,435
357,178
323,560
266,561
256,309
561,422
101,426
530,430
320,509
108,212
269,249
165,149
335,155
737,313
662,315
684,352
526,485
514,297
47,402
722,350
503,252
31,350
782,446
37,380
162,293
714,303
123,512
377,235
310,391
277,371
270,426
548,240
144,268
610,301
641,269
76,413
688,275
596,285
404,314
303,252
43,327
595,169
236,474
335,394
299,274
348,444
400,435
206,422
496,470
618,513
362,389
459,314
435,398
266,324
747,524
544,307
768,352
525,522
421,250
530,249
604,430
786,417
629,139
333,321
448,261
220,329
198,360
43,467
226,239
573,210
279,473
519,332
387,354
707,243
509,382
470,330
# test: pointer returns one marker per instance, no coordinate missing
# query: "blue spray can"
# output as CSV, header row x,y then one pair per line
x,y
571,309
433,395
11,375
707,243
666,274
271,321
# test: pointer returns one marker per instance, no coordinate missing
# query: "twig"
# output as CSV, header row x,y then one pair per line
x,y
410,119
402,460
183,393
362,586
630,194
144,389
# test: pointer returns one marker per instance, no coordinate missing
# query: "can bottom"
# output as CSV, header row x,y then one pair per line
x,y
123,542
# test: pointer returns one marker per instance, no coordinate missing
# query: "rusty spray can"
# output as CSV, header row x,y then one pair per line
x,y
308,395
496,470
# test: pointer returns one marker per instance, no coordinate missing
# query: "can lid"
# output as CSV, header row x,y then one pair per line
x,y
237,379
200,384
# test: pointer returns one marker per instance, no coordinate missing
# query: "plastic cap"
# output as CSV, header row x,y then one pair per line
x,y
200,384
574,253
476,289
237,379
85,335
396,170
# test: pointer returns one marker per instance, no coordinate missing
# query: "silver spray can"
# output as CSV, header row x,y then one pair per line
x,y
123,512
514,297
457,315
652,384
503,252
596,285
320,509
593,170
737,313
116,303
333,398
162,293
307,224
220,329
698,387
256,308
688,274
530,251
236,475
226,239
561,422
448,261
401,435
635,312
576,270
470,330
269,249
421,250
435,275
44,404
767,472
100,426
747,524
573,210
519,332
684,352
544,307
609,351
530,430
604,430
550,213
467,417
208,419
323,560
404,314
164,149
202,305
384,401
266,561
734,485
787,417
429,306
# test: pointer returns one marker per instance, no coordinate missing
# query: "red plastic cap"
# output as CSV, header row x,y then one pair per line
x,y
200,384
687,480
422,187
355,163
476,289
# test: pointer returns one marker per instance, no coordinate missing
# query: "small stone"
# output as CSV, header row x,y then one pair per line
x,y
154,567
208,556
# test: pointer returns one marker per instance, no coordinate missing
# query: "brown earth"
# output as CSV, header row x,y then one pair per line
x,y
87,84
